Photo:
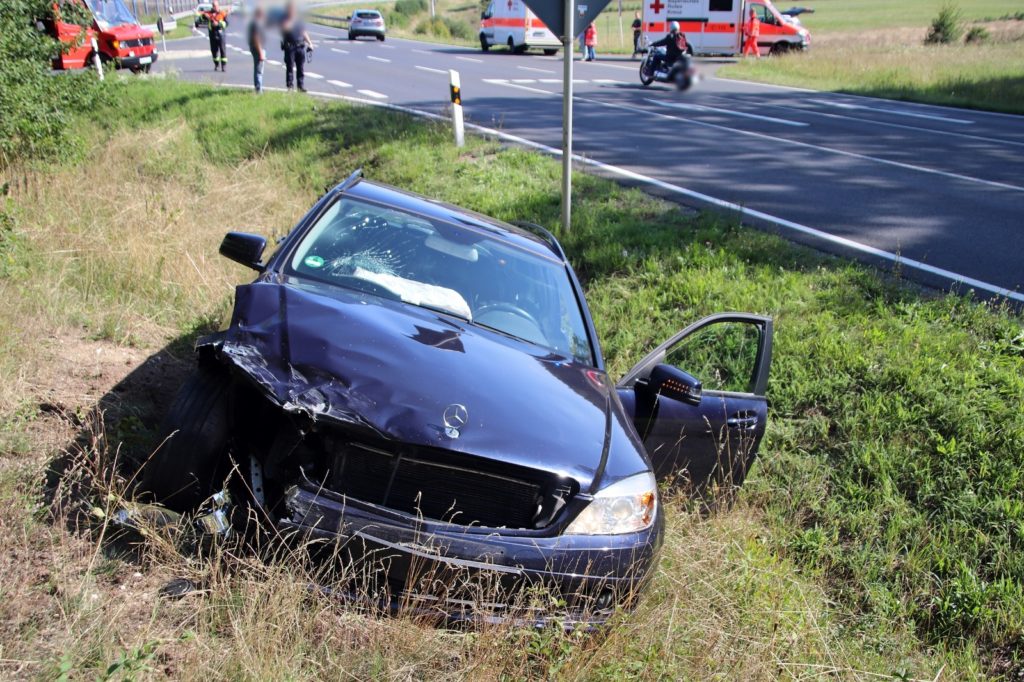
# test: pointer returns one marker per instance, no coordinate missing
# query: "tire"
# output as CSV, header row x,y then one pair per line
x,y
351,35
511,45
193,454
779,49
380,38
550,51
147,68
683,82
645,80
484,45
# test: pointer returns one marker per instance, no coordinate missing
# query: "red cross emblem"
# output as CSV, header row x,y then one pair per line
x,y
657,6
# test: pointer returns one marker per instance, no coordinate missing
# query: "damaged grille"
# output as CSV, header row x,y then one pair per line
x,y
446,486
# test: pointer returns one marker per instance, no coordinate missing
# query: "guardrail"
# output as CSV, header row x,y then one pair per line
x,y
342,22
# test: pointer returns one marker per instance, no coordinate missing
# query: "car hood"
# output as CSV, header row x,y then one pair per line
x,y
352,358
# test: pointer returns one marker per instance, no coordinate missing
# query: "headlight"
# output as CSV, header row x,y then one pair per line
x,y
624,507
116,44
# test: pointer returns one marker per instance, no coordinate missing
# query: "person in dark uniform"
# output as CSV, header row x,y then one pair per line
x,y
217,24
294,41
637,33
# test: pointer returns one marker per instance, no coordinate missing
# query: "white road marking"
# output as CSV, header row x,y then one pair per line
x,y
334,49
902,261
580,81
340,84
607,81
386,47
550,80
887,124
372,93
378,59
422,51
317,76
728,112
274,62
634,69
524,80
497,81
530,68
808,145
894,112
431,70
471,59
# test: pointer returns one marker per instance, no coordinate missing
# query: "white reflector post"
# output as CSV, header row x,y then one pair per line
x,y
456,92
96,58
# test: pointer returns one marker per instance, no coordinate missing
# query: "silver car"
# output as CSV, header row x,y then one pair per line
x,y
366,22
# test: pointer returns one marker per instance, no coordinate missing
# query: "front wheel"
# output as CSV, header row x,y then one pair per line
x,y
380,38
195,435
646,74
551,51
484,45
779,49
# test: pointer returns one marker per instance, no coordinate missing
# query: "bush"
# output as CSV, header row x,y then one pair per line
x,y
410,8
947,27
459,29
435,27
978,35
34,104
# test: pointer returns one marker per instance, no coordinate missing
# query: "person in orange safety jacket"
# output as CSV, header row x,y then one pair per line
x,y
751,32
217,23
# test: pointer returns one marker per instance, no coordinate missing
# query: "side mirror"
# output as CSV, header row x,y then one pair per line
x,y
674,383
244,248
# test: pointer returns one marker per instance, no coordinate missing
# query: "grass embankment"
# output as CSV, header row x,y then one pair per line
x,y
877,48
880,534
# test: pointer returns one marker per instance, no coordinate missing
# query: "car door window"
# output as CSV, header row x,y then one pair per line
x,y
722,356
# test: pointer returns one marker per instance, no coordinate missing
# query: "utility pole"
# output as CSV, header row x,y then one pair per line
x,y
568,39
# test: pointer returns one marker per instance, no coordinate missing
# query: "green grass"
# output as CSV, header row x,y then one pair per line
x,y
880,532
867,15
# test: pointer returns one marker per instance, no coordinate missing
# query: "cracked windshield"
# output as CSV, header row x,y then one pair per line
x,y
450,269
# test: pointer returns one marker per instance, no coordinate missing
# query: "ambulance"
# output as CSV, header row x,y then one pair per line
x,y
715,27
512,24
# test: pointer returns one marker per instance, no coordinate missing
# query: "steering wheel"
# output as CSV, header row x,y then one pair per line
x,y
508,308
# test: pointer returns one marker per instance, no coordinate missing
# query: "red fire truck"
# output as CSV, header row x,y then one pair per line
x,y
119,39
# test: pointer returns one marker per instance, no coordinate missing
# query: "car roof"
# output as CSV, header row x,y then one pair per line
x,y
439,210
375,11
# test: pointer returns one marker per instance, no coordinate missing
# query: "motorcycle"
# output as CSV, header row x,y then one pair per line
x,y
653,67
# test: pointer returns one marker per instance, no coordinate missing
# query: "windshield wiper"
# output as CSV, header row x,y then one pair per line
x,y
505,333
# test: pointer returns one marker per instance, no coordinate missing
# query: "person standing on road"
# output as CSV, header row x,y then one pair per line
x,y
638,26
751,32
258,46
294,41
217,24
590,40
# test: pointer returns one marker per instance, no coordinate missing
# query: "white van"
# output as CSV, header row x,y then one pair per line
x,y
716,26
511,23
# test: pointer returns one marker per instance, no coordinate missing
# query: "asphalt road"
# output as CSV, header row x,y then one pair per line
x,y
940,189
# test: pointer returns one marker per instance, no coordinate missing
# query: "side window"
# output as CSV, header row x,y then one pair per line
x,y
488,12
722,356
720,6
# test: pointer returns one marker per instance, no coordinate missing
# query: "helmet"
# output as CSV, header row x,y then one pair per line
x,y
673,26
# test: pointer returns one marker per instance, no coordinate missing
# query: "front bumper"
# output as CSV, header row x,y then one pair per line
x,y
136,62
457,573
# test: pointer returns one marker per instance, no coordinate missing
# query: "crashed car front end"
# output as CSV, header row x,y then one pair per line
x,y
465,466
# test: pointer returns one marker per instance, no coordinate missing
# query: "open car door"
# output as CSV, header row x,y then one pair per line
x,y
698,400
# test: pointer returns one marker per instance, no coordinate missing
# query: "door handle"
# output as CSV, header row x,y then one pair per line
x,y
743,420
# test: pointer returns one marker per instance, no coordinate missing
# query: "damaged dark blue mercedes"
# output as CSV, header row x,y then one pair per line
x,y
423,387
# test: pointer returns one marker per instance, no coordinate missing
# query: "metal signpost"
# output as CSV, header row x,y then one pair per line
x,y
563,18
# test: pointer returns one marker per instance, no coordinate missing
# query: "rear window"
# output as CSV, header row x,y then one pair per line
x,y
367,15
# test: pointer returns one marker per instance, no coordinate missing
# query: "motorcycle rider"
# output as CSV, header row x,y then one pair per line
x,y
675,47
217,24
